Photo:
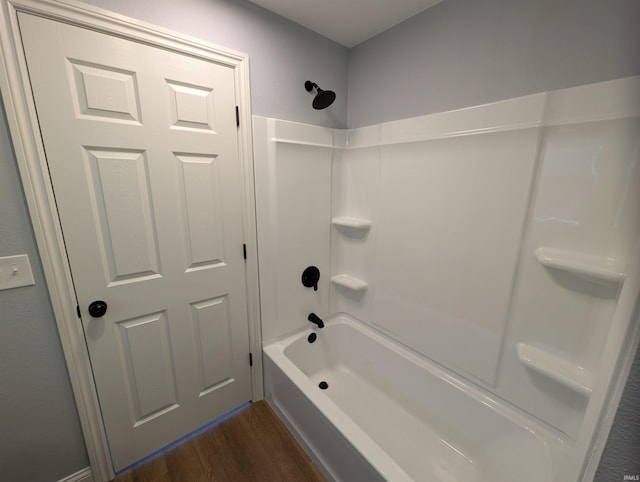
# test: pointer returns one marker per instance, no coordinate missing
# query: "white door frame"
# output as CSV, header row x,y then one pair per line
x,y
29,150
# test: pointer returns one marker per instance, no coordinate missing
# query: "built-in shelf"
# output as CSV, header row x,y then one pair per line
x,y
351,223
563,371
599,269
349,282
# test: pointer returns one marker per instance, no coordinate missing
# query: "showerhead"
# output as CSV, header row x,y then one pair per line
x,y
323,98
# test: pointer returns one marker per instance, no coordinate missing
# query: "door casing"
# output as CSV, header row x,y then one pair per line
x,y
32,164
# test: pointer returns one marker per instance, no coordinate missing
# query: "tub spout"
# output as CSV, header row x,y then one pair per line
x,y
313,318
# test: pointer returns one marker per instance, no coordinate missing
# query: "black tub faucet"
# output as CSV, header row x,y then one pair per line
x,y
313,318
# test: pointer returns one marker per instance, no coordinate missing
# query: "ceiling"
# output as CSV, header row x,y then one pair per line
x,y
348,22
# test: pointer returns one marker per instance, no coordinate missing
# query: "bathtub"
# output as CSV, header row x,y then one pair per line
x,y
371,423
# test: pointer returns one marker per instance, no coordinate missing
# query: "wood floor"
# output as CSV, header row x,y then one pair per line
x,y
251,445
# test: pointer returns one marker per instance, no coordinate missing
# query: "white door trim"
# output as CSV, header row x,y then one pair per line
x,y
29,150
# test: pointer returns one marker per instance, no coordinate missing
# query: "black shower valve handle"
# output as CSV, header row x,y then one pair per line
x,y
310,277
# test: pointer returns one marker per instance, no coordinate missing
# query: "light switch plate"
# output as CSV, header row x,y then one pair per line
x,y
15,271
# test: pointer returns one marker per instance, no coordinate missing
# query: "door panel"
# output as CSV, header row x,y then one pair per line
x,y
192,107
201,203
149,368
141,145
103,92
213,335
122,208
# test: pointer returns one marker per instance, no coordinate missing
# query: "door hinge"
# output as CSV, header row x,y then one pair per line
x,y
244,251
237,117
250,359
78,311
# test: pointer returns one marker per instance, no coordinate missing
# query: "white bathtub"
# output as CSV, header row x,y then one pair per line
x,y
390,415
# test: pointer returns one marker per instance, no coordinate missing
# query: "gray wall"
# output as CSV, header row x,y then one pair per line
x,y
40,438
282,54
469,52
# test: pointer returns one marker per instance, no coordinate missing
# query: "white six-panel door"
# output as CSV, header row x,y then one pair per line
x,y
141,145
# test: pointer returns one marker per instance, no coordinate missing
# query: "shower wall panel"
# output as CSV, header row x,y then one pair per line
x,y
495,241
587,209
451,214
500,238
293,205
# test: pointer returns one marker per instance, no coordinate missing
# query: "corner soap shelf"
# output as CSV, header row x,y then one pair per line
x,y
598,269
563,371
350,282
351,223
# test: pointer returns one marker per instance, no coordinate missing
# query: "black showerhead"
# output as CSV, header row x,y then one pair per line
x,y
323,98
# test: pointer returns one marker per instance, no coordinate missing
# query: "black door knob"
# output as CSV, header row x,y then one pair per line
x,y
97,308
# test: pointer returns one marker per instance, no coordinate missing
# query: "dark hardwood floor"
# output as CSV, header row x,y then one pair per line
x,y
251,445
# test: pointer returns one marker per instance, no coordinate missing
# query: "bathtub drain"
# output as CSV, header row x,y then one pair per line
x,y
323,385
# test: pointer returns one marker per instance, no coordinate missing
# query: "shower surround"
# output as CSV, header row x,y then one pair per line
x,y
494,244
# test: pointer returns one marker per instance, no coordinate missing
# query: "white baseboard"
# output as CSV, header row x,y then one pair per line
x,y
83,475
